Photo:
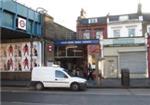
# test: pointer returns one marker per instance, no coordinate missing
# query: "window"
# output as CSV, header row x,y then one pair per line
x,y
148,30
131,32
123,18
116,33
60,74
98,34
93,20
86,34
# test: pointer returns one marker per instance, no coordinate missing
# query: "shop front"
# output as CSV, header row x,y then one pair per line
x,y
131,55
78,54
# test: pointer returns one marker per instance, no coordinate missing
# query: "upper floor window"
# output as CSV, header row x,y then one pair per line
x,y
123,18
131,32
148,29
86,34
93,20
98,34
116,32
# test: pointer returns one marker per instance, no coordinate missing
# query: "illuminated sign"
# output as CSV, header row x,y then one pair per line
x,y
22,23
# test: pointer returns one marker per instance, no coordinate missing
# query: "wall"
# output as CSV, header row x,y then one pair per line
x,y
123,28
113,51
10,11
16,57
92,27
55,31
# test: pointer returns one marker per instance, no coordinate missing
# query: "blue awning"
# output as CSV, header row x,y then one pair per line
x,y
76,42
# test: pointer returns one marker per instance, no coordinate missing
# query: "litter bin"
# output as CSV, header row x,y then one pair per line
x,y
125,77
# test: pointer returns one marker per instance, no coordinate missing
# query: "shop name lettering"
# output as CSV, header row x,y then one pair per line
x,y
80,42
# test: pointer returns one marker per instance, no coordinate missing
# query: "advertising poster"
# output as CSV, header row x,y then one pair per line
x,y
36,51
17,56
93,53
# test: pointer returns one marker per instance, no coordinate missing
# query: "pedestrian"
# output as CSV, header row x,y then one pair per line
x,y
90,76
74,72
77,72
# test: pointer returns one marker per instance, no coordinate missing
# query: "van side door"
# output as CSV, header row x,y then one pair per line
x,y
61,79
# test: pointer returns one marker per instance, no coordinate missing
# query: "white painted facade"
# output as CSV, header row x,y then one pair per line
x,y
124,47
124,28
148,28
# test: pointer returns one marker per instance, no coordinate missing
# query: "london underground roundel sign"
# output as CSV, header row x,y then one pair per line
x,y
22,23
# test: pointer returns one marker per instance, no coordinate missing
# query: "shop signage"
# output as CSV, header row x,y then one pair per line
x,y
124,41
22,23
76,42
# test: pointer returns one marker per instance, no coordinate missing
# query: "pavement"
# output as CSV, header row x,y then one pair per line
x,y
104,83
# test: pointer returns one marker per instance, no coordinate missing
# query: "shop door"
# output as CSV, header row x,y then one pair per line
x,y
111,67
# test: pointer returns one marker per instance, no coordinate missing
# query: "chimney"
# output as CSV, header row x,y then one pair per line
x,y
139,10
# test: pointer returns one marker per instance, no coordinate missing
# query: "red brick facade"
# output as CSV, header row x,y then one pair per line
x,y
93,28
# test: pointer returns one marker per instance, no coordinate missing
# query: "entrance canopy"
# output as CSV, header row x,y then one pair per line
x,y
76,42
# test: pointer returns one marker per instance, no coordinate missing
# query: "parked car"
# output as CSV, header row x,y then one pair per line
x,y
55,77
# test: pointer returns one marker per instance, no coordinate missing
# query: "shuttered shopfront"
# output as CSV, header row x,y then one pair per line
x,y
135,62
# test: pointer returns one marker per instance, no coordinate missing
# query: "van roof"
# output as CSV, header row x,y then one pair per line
x,y
44,67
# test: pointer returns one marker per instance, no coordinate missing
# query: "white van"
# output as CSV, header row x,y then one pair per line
x,y
55,77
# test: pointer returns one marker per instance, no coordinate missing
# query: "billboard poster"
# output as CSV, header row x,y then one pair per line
x,y
17,56
93,49
93,54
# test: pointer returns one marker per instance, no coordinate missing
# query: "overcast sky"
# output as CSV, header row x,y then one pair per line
x,y
65,12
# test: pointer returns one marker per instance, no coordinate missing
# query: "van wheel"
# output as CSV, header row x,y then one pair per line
x,y
39,86
75,86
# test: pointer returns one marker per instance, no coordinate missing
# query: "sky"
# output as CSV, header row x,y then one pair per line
x,y
65,12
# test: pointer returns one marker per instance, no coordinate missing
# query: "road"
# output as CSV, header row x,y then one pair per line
x,y
27,96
